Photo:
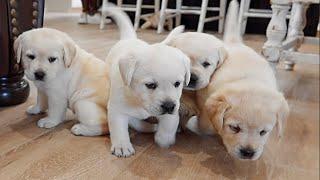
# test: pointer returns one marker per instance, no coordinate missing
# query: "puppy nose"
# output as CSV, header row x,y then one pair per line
x,y
168,107
193,80
39,75
247,153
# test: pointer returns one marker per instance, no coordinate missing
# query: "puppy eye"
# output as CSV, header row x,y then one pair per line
x,y
263,132
151,85
177,84
31,56
206,64
52,59
235,129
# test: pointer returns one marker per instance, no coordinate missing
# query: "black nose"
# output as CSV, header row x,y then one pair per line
x,y
39,75
168,107
193,80
247,153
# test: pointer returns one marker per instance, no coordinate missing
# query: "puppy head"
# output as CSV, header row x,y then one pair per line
x,y
206,54
203,66
245,120
44,53
156,75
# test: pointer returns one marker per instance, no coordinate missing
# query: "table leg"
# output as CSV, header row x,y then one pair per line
x,y
276,32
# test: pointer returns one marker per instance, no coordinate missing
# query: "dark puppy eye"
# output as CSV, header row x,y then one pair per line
x,y
177,84
52,59
151,85
205,64
263,132
31,56
235,129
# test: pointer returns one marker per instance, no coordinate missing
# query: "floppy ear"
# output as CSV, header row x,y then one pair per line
x,y
127,67
69,49
186,62
216,107
222,56
282,115
17,46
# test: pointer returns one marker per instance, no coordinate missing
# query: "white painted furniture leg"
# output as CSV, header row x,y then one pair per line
x,y
138,14
156,6
119,3
103,13
244,7
178,8
296,25
162,16
276,32
203,14
222,14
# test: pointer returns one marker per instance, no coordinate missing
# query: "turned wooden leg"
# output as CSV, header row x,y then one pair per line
x,y
222,14
276,32
103,13
295,31
244,8
178,8
203,14
15,18
162,16
138,14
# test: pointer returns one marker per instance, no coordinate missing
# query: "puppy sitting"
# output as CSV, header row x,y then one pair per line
x,y
242,103
66,76
146,80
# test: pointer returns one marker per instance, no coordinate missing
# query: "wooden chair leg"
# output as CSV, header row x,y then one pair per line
x,y
138,14
162,16
222,14
156,6
178,8
203,13
244,7
103,13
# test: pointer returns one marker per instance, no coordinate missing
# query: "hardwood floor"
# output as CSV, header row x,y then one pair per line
x,y
29,152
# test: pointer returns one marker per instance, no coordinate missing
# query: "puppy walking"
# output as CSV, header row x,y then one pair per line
x,y
146,80
242,102
66,76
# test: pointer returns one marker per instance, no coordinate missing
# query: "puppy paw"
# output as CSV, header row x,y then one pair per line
x,y
32,110
164,140
122,150
83,130
47,123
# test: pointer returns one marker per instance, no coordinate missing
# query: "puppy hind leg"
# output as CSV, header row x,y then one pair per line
x,y
142,126
92,118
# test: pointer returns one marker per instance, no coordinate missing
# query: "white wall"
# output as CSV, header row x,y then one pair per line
x,y
58,5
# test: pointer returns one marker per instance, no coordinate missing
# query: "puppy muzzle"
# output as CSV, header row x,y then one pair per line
x,y
168,107
39,75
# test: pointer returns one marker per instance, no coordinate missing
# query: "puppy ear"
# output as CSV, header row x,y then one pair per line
x,y
282,115
216,107
222,56
69,49
127,67
186,62
17,46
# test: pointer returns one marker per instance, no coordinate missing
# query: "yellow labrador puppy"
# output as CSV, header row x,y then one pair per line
x,y
146,81
66,76
242,102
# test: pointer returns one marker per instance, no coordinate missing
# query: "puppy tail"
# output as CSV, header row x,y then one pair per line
x,y
232,29
123,22
173,33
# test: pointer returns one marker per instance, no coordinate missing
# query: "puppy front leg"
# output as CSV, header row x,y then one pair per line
x,y
41,106
56,112
119,134
167,128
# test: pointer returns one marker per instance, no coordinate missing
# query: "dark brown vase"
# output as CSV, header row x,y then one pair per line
x,y
16,16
